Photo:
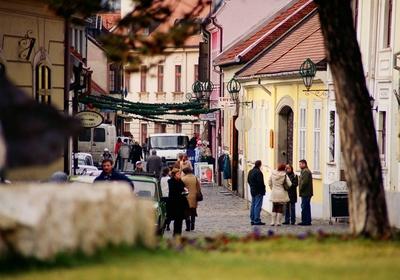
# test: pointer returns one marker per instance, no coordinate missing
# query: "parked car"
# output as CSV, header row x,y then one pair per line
x,y
85,165
146,187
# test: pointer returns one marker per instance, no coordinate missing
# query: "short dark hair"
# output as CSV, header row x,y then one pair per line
x,y
187,170
107,160
165,171
303,161
281,167
258,163
153,152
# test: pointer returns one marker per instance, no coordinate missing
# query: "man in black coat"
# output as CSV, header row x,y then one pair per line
x,y
257,190
136,154
290,211
154,163
109,174
305,192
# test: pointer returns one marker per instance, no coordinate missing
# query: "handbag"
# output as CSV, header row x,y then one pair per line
x,y
285,185
199,195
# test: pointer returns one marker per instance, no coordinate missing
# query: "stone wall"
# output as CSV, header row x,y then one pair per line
x,y
43,220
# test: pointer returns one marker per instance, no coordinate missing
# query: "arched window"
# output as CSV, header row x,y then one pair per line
x,y
43,83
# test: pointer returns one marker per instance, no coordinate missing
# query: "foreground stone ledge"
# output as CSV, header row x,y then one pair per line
x,y
43,220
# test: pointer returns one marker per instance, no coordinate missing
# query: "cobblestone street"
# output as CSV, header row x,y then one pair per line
x,y
222,212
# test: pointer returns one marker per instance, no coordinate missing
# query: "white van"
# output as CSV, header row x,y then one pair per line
x,y
95,140
168,145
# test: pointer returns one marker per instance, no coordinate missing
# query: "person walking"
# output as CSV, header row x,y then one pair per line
x,y
116,153
279,183
124,152
164,190
136,154
193,186
109,174
178,203
257,190
185,163
290,209
106,155
154,164
305,192
139,167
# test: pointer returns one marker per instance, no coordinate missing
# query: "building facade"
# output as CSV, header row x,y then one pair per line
x,y
32,52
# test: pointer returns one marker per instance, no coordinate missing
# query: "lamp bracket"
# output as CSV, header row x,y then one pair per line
x,y
25,45
316,92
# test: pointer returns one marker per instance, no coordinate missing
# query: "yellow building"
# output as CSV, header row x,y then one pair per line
x,y
32,52
288,122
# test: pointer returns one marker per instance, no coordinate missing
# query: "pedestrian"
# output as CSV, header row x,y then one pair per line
x,y
116,153
279,183
106,155
109,174
136,153
290,212
164,190
305,192
257,191
199,150
178,203
192,184
178,162
139,167
124,152
154,164
185,163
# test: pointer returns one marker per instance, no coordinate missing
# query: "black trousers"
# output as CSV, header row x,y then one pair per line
x,y
178,227
190,221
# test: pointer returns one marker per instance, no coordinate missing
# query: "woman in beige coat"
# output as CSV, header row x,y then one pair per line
x,y
279,182
193,185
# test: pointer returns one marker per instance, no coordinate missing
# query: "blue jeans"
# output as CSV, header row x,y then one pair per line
x,y
306,209
290,212
255,210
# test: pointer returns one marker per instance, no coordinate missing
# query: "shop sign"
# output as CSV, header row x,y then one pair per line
x,y
90,119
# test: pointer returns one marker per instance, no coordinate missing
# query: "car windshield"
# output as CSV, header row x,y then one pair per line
x,y
168,142
146,190
81,161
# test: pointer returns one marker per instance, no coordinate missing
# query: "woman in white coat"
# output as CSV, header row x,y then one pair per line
x,y
279,183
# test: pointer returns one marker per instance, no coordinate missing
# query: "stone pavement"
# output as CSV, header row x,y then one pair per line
x,y
222,212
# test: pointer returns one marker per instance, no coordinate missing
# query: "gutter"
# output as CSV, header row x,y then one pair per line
x,y
67,81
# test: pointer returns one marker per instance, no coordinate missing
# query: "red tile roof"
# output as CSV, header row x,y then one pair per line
x,y
305,41
266,34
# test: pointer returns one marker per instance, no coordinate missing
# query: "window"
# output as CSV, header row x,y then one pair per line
x,y
317,139
160,78
163,128
160,128
178,76
143,132
196,72
43,84
332,127
382,134
196,129
85,135
387,35
99,135
178,128
115,78
143,75
302,133
127,127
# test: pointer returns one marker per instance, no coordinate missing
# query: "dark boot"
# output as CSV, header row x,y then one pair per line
x,y
192,222
187,224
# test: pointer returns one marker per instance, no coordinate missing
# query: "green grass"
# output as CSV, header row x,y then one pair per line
x,y
281,258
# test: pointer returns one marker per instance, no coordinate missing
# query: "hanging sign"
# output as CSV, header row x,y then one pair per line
x,y
90,119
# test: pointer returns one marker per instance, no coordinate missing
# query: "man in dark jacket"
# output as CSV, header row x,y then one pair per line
x,y
136,154
109,174
305,192
257,189
154,163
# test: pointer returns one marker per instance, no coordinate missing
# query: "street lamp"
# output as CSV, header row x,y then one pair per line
x,y
307,71
234,88
201,91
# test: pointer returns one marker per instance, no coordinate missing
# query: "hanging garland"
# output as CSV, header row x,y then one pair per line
x,y
160,112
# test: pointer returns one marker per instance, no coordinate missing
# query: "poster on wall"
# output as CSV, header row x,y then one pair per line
x,y
207,174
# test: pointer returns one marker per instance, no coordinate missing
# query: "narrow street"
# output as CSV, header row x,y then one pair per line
x,y
222,212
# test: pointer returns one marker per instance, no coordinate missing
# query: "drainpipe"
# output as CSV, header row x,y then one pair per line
x,y
67,81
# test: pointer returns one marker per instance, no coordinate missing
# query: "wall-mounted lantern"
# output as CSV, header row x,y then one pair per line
x,y
307,71
234,88
201,91
372,102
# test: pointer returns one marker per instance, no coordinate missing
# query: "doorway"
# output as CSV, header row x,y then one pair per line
x,y
285,135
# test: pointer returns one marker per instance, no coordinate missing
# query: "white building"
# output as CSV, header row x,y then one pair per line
x,y
377,24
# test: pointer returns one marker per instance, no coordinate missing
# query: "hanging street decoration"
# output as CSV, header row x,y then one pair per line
x,y
170,113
